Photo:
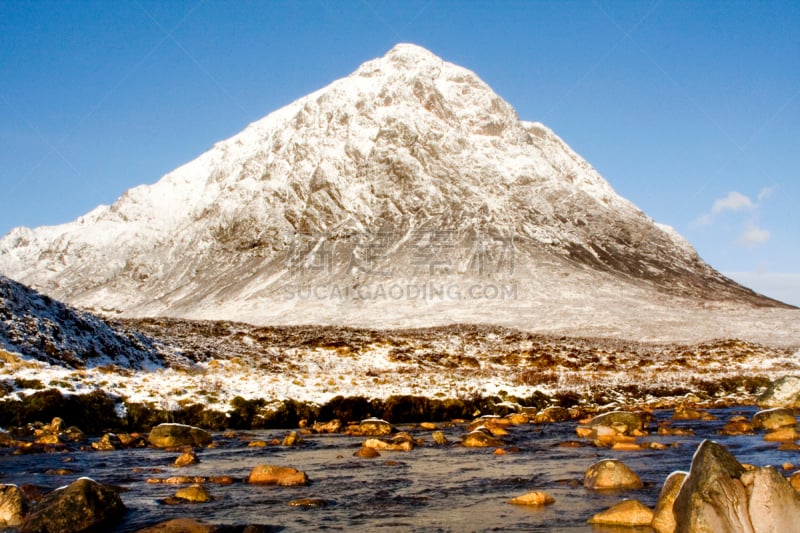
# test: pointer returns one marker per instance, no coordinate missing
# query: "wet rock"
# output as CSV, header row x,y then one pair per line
x,y
395,446
59,472
518,419
684,412
479,439
439,438
533,498
626,447
181,525
178,435
374,427
57,425
663,516
108,442
13,506
622,422
711,497
367,453
292,439
74,434
193,493
772,503
81,505
179,480
187,458
277,475
309,502
794,481
783,392
629,513
132,440
782,434
675,432
770,419
489,422
189,525
257,444
611,474
33,493
737,427
48,438
551,414
334,426
430,426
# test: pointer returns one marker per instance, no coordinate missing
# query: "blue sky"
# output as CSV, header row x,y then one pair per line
x,y
689,109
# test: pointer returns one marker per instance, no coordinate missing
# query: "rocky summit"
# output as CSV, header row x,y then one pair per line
x,y
406,194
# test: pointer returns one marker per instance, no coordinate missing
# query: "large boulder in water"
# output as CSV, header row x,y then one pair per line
x,y
178,435
775,418
784,392
623,422
772,502
82,505
13,506
720,496
663,514
374,427
627,513
277,475
611,474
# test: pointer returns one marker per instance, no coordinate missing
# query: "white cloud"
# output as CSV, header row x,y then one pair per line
x,y
702,220
754,236
735,201
766,192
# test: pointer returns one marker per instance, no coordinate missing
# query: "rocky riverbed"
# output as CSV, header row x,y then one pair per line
x,y
560,466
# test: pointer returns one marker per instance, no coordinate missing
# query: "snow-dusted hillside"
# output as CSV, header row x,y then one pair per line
x,y
407,193
49,331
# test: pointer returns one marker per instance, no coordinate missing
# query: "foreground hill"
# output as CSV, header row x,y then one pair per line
x,y
49,331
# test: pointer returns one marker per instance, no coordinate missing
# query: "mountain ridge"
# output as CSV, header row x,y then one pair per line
x,y
410,166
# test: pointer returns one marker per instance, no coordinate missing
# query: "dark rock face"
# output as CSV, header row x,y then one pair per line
x,y
177,435
82,505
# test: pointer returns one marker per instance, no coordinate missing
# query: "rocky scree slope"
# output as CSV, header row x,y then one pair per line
x,y
47,330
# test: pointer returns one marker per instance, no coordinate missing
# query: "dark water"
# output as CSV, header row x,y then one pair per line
x,y
428,489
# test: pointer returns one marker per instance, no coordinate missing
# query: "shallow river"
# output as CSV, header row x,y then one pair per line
x,y
428,489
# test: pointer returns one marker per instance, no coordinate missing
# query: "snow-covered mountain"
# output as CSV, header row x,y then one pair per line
x,y
47,330
407,193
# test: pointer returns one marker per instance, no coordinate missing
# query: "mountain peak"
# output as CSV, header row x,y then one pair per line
x,y
408,172
408,52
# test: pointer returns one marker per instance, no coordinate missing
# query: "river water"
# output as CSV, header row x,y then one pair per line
x,y
428,489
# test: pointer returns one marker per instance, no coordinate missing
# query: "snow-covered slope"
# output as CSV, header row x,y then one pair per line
x,y
407,193
47,330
